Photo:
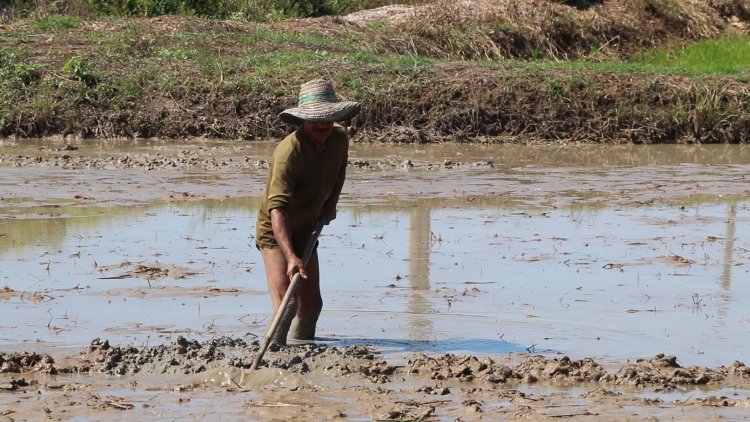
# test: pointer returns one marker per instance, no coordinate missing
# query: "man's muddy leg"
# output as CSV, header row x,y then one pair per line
x,y
305,323
275,265
310,302
282,330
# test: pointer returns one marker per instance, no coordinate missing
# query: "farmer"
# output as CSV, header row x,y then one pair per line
x,y
304,181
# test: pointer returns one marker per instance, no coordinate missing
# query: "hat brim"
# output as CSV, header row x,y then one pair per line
x,y
321,112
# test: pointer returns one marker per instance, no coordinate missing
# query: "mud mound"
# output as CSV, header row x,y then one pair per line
x,y
186,356
662,372
74,157
320,380
27,362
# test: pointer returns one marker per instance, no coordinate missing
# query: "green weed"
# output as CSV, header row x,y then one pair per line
x,y
302,38
282,61
376,25
58,23
556,90
726,55
16,70
77,69
405,63
174,54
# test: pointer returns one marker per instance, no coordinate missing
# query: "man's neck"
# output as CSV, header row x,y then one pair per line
x,y
318,143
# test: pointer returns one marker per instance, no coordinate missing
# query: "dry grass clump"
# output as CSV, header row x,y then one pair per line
x,y
505,29
690,19
729,9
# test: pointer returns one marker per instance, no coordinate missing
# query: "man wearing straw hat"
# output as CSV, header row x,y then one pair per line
x,y
304,181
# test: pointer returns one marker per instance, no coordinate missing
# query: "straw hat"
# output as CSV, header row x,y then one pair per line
x,y
318,102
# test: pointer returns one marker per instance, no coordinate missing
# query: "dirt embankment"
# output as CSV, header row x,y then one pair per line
x,y
438,72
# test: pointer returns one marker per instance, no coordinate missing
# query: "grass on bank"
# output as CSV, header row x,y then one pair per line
x,y
118,67
280,52
245,10
730,55
58,23
255,60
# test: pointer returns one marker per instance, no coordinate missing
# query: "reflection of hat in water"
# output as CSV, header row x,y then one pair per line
x,y
318,103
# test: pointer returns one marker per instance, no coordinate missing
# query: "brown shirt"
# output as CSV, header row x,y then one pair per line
x,y
300,180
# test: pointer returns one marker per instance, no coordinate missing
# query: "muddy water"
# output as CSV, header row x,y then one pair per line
x,y
606,252
613,253
613,283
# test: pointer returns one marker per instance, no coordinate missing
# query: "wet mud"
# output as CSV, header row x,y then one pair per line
x,y
424,387
188,357
174,370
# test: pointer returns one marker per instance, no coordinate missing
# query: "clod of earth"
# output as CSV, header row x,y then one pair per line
x,y
185,356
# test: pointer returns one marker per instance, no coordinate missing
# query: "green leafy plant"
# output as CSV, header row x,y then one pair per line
x,y
58,23
77,69
13,69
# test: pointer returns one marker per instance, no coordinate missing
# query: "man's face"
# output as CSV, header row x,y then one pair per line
x,y
317,131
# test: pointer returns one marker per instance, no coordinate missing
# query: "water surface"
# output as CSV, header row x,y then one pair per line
x,y
562,251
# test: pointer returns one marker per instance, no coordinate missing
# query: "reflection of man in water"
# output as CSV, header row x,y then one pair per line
x,y
307,173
